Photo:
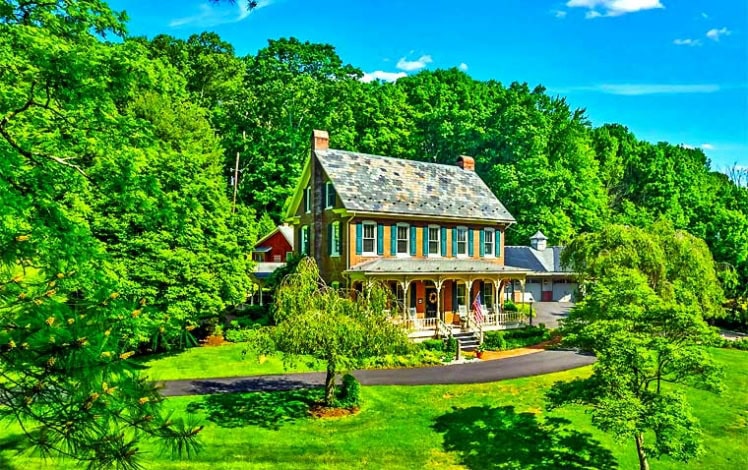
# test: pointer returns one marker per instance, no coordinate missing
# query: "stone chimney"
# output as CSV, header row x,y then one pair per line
x,y
538,241
320,140
466,163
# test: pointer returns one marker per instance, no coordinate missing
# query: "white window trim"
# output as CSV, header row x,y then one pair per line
x,y
307,199
407,238
328,185
493,242
467,250
438,253
363,245
335,252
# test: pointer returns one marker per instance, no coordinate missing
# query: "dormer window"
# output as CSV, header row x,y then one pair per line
x,y
329,195
308,199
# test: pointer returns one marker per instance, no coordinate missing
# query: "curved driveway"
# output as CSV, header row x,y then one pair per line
x,y
473,372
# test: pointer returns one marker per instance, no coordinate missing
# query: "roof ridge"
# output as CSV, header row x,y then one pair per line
x,y
386,157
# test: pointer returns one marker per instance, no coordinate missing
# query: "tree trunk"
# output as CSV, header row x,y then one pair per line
x,y
643,464
330,384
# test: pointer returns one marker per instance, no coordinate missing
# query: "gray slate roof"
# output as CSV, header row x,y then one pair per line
x,y
546,261
431,265
372,183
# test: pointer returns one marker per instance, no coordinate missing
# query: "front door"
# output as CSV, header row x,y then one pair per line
x,y
431,301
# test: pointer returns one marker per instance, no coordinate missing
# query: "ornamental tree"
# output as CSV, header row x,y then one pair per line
x,y
330,325
643,318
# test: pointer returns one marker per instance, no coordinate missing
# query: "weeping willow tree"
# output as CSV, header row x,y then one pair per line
x,y
331,325
647,294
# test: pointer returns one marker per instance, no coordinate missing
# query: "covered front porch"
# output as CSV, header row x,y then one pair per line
x,y
436,303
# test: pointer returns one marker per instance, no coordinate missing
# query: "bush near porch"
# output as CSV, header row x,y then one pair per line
x,y
513,339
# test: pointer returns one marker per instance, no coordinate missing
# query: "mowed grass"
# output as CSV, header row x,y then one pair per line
x,y
501,425
220,361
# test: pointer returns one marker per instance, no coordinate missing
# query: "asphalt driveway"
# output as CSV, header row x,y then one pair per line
x,y
473,372
549,313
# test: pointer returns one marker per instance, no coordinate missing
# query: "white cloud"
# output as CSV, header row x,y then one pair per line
x,y
598,8
463,67
687,42
715,34
707,146
382,75
213,15
412,65
559,14
686,146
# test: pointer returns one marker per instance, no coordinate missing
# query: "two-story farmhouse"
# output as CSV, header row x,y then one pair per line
x,y
433,232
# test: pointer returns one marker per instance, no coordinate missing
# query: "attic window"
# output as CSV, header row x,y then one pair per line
x,y
329,195
308,199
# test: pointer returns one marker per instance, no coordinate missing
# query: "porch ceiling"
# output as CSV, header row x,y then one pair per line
x,y
433,266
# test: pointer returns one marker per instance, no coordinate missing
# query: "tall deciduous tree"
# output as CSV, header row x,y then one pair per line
x,y
643,317
64,370
325,323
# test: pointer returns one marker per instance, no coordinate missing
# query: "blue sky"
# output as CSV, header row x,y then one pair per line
x,y
669,70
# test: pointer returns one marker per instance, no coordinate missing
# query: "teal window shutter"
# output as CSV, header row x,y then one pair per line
x,y
482,243
454,243
471,248
329,239
454,296
425,241
393,240
497,250
380,239
412,241
340,238
359,238
444,240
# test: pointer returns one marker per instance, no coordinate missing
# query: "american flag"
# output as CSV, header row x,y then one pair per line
x,y
478,309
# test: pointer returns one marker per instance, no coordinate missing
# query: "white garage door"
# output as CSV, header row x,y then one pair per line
x,y
564,292
532,292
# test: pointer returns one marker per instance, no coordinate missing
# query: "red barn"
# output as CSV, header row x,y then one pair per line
x,y
275,246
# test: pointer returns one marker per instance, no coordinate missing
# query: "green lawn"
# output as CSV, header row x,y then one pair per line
x,y
487,426
219,361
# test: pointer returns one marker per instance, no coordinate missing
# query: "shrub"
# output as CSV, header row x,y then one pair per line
x,y
452,345
350,392
419,358
510,306
433,345
494,341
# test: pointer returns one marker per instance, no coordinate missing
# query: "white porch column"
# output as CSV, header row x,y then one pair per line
x,y
406,300
439,283
496,299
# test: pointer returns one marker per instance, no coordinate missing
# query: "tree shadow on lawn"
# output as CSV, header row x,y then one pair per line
x,y
500,438
265,409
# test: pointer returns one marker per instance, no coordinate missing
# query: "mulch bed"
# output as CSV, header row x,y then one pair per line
x,y
324,412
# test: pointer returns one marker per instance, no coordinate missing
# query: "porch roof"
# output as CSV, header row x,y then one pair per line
x,y
435,266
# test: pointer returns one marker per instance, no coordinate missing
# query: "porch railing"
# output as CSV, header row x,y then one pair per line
x,y
502,318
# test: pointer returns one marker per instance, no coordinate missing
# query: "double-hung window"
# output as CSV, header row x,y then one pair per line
x,y
369,238
305,240
434,241
461,241
334,239
461,295
487,294
403,240
308,199
488,242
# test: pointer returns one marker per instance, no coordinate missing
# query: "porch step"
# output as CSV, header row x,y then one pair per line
x,y
467,341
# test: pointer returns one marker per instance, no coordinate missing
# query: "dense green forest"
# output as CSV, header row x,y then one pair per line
x,y
552,169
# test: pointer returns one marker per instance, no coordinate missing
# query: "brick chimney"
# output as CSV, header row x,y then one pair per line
x,y
320,140
466,163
